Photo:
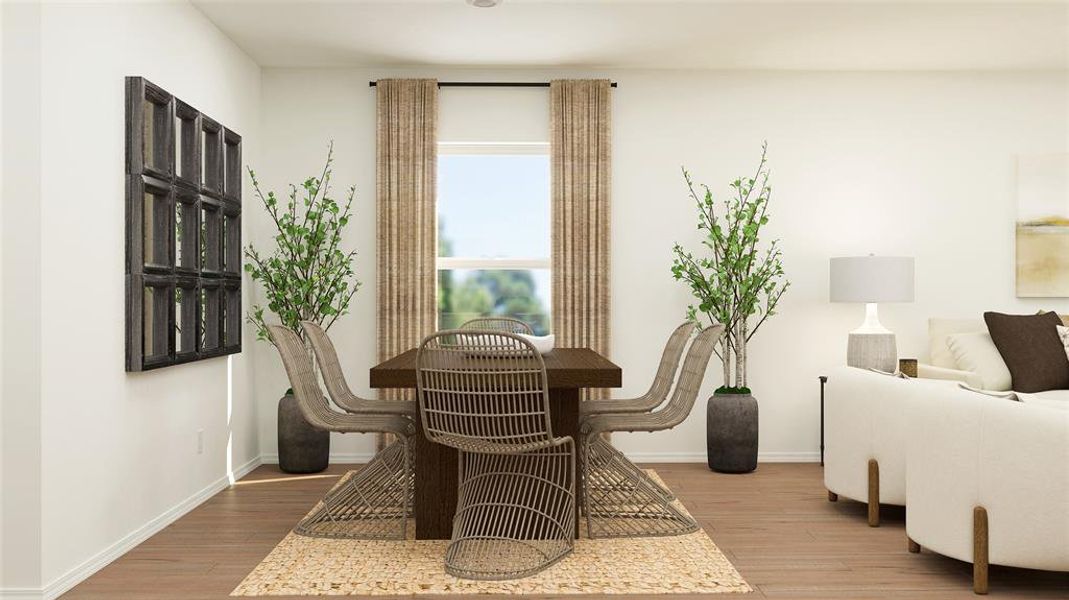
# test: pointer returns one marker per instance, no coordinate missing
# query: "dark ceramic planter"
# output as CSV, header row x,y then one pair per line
x,y
301,447
731,433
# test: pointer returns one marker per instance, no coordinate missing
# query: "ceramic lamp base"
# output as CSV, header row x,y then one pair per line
x,y
872,351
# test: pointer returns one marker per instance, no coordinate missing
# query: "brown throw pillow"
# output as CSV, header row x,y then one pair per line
x,y
1032,350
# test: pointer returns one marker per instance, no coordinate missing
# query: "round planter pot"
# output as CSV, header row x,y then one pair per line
x,y
731,433
301,447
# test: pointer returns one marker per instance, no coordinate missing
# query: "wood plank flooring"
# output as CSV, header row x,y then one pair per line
x,y
776,526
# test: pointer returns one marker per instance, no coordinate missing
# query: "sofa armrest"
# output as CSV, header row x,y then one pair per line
x,y
933,372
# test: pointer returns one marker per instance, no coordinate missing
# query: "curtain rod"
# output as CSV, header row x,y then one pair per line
x,y
491,84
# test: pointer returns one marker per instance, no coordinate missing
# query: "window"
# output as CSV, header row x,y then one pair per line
x,y
493,233
183,231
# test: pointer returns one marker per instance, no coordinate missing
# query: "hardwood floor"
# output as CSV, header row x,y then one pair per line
x,y
776,525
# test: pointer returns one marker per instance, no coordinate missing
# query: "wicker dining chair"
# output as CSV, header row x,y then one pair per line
x,y
340,393
506,324
621,500
656,395
374,502
338,387
486,395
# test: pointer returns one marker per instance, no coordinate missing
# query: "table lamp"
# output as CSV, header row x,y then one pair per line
x,y
871,279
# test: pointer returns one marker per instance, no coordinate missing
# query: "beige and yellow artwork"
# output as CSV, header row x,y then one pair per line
x,y
1043,226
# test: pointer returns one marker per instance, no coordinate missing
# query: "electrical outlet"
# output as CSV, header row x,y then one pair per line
x,y
200,441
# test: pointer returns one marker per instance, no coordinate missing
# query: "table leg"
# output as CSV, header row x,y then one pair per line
x,y
564,417
436,487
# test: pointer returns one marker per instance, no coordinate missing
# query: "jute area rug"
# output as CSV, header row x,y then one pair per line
x,y
304,566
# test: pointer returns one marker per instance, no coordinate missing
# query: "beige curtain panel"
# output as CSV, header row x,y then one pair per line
x,y
406,169
580,148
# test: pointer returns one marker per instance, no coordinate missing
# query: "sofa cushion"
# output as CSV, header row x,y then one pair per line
x,y
976,352
1032,350
939,329
1058,399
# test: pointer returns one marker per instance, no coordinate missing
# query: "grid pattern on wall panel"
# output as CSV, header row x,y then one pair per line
x,y
183,232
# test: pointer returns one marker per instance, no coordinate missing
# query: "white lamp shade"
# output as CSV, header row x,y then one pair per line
x,y
868,279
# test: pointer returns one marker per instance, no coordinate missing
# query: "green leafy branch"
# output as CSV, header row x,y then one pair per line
x,y
307,276
735,281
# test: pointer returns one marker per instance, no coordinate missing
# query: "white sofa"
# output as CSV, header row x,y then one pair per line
x,y
865,420
987,479
865,424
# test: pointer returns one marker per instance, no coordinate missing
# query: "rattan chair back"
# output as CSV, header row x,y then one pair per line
x,y
302,377
669,365
662,381
690,378
329,365
506,324
483,391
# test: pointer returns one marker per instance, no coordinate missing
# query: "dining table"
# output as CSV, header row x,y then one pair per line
x,y
568,372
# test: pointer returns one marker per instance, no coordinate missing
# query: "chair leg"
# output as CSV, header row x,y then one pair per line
x,y
832,496
979,550
620,500
914,547
515,513
874,493
373,504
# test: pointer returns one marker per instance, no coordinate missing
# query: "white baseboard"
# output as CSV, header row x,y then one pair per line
x,y
700,457
337,458
347,458
71,578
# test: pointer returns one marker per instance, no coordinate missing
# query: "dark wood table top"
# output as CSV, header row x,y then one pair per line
x,y
565,368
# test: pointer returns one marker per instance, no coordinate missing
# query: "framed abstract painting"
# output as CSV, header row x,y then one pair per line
x,y
1042,261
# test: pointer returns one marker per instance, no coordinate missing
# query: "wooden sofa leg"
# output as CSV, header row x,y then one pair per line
x,y
914,547
874,493
832,496
979,550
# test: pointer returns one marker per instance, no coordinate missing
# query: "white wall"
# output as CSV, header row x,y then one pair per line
x,y
892,163
20,298
118,450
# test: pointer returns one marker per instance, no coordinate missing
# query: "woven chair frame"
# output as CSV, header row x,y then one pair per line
x,y
373,504
515,513
619,499
505,324
485,393
385,488
662,381
336,384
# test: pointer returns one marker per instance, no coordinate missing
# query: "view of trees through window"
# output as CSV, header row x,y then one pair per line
x,y
493,234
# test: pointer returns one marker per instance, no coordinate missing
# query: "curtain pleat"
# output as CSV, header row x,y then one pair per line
x,y
406,175
580,148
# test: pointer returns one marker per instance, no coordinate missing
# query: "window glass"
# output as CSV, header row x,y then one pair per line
x,y
494,236
493,205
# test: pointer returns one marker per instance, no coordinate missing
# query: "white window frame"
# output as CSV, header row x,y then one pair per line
x,y
449,263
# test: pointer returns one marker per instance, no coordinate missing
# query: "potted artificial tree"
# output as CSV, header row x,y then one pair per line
x,y
738,283
306,277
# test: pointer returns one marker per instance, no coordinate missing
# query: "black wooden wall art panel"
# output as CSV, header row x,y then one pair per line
x,y
183,232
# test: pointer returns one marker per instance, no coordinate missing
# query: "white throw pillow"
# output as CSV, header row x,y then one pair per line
x,y
976,352
1063,332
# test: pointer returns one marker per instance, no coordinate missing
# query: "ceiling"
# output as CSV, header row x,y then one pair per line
x,y
658,34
